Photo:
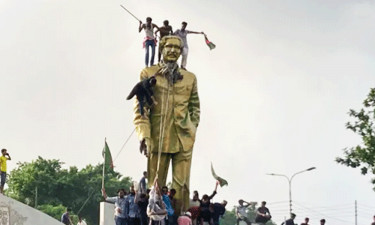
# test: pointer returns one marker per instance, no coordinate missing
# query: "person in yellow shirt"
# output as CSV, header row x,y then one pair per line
x,y
3,166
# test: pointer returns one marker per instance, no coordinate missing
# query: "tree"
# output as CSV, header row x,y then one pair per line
x,y
362,155
229,218
54,211
53,188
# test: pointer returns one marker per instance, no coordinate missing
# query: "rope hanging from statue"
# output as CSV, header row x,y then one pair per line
x,y
123,146
162,124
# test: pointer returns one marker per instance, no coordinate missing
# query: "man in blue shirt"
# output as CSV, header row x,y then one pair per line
x,y
119,200
143,184
131,208
65,219
168,205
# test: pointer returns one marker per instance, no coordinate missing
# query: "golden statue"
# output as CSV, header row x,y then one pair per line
x,y
167,131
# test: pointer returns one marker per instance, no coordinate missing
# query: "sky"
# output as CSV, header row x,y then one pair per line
x,y
274,94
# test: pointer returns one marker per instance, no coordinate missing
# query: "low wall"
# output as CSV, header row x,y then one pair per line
x,y
16,213
107,213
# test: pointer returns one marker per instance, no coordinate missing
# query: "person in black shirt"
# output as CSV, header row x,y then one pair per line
x,y
142,206
263,214
65,218
291,220
218,210
205,213
306,221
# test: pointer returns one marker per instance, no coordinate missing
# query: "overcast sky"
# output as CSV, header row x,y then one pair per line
x,y
274,93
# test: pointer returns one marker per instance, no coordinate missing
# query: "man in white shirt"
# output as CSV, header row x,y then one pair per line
x,y
182,33
241,213
120,201
81,221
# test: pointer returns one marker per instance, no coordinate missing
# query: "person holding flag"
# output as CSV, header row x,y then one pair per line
x,y
182,33
120,205
120,199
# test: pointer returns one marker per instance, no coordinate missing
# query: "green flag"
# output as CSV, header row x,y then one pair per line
x,y
107,156
209,43
222,182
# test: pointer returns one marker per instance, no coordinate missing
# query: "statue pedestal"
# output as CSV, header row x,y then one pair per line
x,y
107,213
13,213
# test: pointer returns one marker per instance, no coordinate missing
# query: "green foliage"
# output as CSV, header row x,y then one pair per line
x,y
362,155
54,211
229,218
63,187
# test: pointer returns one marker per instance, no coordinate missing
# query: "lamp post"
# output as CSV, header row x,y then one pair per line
x,y
290,183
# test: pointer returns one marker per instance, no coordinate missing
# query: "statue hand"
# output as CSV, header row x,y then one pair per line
x,y
145,146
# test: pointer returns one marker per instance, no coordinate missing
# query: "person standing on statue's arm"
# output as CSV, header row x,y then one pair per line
x,y
172,123
3,165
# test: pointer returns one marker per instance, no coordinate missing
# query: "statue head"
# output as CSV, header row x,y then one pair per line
x,y
166,23
171,48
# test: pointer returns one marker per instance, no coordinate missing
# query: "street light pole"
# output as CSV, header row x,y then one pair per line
x,y
290,183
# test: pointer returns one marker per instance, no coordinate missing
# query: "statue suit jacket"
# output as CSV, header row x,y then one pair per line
x,y
181,112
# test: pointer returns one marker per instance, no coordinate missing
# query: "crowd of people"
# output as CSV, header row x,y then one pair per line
x,y
157,206
263,215
150,40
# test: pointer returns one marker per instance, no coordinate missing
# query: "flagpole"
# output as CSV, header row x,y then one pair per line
x,y
105,142
130,13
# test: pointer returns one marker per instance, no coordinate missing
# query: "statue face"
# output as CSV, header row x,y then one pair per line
x,y
171,50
